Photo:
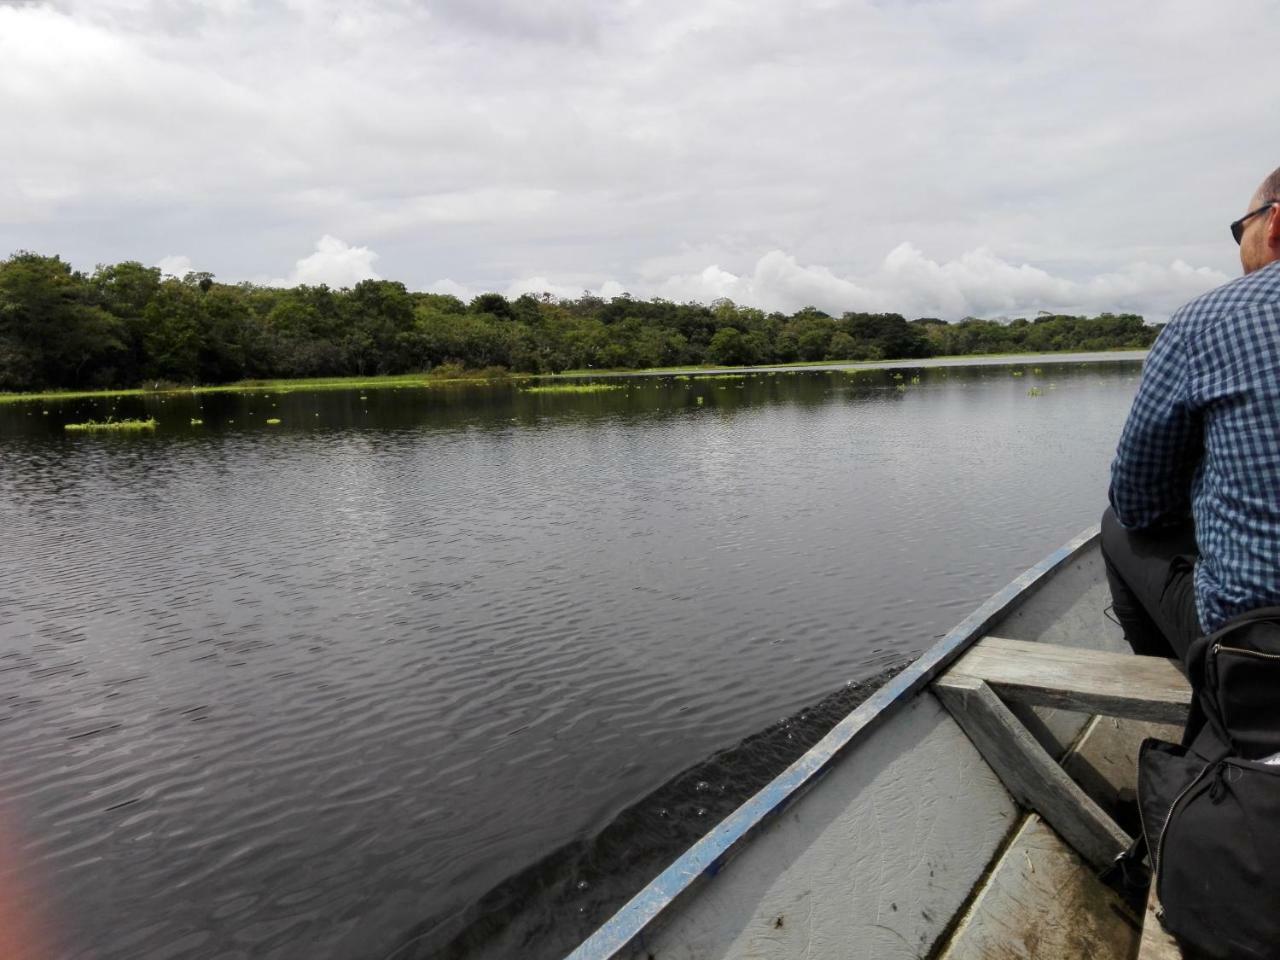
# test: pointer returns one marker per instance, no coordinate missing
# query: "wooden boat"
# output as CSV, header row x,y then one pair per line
x,y
963,811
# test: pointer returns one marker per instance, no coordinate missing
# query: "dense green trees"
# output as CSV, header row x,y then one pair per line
x,y
125,324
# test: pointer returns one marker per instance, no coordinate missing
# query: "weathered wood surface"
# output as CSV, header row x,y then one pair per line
x,y
1086,681
1156,943
1042,900
1032,776
1104,761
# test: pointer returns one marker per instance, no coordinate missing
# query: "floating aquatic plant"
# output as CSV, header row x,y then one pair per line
x,y
574,388
112,425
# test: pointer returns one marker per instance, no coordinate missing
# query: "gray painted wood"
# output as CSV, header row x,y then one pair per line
x,y
1070,609
1104,761
1028,772
1085,681
1042,900
872,866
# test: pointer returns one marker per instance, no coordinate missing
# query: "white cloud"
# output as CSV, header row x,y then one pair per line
x,y
977,283
564,21
175,265
484,205
335,263
453,289
537,286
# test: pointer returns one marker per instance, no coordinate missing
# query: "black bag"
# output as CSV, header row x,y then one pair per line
x,y
1210,807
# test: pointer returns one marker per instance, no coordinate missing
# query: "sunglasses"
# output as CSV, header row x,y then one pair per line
x,y
1237,228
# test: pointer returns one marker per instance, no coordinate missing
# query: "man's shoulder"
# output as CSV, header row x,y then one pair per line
x,y
1260,288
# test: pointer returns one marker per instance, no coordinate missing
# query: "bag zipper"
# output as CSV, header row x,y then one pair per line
x,y
1219,647
1158,855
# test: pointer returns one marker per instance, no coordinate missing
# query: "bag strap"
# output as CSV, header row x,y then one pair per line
x,y
1129,875
1205,710
1243,620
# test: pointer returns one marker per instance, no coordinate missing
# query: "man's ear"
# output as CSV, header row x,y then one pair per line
x,y
1273,227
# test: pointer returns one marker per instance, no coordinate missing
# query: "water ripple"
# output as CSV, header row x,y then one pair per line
x,y
295,692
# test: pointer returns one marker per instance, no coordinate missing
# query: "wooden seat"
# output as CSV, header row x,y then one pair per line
x,y
995,671
1088,681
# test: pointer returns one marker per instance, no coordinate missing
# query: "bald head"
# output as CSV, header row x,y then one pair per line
x,y
1269,190
1260,239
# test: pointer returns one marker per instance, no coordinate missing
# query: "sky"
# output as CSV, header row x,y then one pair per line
x,y
984,158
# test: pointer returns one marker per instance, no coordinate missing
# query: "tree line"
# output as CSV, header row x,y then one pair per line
x,y
125,324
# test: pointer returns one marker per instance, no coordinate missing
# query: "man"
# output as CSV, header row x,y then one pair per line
x,y
1192,537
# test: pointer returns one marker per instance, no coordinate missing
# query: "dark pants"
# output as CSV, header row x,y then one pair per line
x,y
1151,572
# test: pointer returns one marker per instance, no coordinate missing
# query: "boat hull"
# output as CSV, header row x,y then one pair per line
x,y
900,841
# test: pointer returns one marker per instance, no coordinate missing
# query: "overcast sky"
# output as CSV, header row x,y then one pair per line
x,y
986,157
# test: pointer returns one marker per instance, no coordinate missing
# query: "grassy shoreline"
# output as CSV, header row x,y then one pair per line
x,y
430,380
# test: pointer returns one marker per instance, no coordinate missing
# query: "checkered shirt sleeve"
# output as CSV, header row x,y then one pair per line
x,y
1161,442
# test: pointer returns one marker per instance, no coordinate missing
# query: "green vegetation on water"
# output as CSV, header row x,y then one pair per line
x,y
574,388
442,376
66,331
121,425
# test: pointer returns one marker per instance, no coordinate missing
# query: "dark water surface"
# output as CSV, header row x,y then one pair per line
x,y
302,690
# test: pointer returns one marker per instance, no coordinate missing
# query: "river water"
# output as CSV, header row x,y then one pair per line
x,y
306,689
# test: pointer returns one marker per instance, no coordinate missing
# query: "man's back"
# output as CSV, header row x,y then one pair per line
x,y
1204,436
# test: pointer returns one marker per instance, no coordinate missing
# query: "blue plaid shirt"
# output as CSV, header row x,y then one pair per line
x,y
1203,438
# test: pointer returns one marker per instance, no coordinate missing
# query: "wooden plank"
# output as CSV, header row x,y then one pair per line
x,y
1156,943
1085,681
1028,772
